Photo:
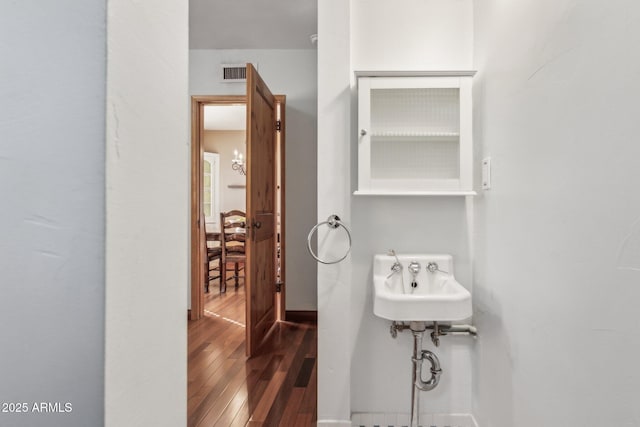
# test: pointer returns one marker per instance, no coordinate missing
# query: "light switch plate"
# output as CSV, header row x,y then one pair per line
x,y
486,173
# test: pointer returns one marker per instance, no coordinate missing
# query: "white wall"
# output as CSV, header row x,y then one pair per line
x,y
334,197
147,214
421,35
291,72
558,248
418,35
52,108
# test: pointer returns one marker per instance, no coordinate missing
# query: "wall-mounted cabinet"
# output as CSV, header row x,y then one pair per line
x,y
414,135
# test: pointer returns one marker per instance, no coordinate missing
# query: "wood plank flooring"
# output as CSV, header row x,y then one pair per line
x,y
276,388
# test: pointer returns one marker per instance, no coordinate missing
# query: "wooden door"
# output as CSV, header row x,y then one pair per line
x,y
261,211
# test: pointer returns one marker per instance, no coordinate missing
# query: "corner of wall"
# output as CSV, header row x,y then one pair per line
x,y
147,142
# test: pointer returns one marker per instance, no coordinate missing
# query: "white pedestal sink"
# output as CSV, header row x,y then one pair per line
x,y
435,297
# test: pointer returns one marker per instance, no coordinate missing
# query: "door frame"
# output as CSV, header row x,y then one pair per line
x,y
196,248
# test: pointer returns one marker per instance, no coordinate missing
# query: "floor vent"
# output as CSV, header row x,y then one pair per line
x,y
234,73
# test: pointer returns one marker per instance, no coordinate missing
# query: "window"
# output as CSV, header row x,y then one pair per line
x,y
211,190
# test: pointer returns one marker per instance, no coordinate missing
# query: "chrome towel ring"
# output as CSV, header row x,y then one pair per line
x,y
333,222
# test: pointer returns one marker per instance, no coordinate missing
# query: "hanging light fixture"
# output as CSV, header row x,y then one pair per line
x,y
237,163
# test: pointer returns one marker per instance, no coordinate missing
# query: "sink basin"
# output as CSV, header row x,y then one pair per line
x,y
437,296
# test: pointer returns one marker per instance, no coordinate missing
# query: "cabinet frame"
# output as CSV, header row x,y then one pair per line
x,y
463,184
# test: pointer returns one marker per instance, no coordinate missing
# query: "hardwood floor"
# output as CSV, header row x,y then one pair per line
x,y
276,388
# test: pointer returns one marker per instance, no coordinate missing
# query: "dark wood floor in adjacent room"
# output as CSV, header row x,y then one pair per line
x,y
276,388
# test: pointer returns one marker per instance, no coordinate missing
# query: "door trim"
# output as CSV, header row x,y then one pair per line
x,y
197,256
281,102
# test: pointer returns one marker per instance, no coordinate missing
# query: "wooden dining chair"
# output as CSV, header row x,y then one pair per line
x,y
233,245
212,253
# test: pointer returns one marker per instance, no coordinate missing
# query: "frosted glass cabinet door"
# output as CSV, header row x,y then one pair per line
x,y
414,135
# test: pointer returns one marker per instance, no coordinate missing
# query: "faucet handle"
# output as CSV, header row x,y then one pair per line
x,y
432,267
395,268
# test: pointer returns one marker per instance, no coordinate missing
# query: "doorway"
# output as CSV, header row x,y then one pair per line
x,y
224,190
265,200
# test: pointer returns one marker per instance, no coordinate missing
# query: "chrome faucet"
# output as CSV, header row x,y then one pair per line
x,y
414,269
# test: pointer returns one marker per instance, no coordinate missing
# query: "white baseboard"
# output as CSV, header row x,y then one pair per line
x,y
370,419
333,423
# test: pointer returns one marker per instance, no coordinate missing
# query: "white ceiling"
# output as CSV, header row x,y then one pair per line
x,y
225,117
252,24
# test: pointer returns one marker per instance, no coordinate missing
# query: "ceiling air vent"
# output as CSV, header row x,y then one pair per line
x,y
234,73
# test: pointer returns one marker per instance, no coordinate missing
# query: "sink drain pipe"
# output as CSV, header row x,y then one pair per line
x,y
417,383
